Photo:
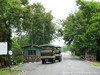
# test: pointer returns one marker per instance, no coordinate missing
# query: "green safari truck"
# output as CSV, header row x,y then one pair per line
x,y
47,54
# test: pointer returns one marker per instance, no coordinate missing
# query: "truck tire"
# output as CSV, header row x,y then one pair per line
x,y
60,59
53,60
43,62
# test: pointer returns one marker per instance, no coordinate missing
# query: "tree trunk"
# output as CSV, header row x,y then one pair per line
x,y
98,55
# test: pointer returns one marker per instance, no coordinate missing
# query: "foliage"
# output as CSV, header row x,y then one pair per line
x,y
7,18
36,24
17,44
59,28
97,64
64,48
6,71
42,25
81,29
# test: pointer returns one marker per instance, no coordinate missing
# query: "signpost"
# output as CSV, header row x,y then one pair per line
x,y
10,52
4,51
3,48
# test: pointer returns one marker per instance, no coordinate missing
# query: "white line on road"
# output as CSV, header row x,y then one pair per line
x,y
80,73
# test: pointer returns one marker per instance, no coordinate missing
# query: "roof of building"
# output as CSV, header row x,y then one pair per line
x,y
27,46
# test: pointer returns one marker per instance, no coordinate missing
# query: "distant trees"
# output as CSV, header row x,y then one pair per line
x,y
82,29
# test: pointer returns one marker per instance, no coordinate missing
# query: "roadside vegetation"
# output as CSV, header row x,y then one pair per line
x,y
81,30
97,64
7,71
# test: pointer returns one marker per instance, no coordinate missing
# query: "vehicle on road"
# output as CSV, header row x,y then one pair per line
x,y
58,55
47,54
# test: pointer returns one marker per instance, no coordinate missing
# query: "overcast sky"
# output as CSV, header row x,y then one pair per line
x,y
60,8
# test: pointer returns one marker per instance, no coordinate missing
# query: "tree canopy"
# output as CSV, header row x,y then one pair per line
x,y
82,29
25,19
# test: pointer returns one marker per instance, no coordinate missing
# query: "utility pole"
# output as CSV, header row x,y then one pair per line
x,y
32,35
43,33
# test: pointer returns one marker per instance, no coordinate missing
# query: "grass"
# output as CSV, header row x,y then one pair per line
x,y
97,64
9,71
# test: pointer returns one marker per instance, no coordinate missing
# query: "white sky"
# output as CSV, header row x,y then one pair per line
x,y
58,42
60,10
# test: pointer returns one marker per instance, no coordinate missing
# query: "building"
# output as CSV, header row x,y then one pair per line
x,y
31,53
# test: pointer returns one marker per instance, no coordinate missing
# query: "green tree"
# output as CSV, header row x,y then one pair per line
x,y
42,28
74,25
81,29
17,47
10,17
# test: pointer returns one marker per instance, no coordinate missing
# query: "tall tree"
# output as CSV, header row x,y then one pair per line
x,y
81,29
9,16
42,25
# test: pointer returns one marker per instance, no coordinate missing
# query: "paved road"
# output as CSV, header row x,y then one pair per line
x,y
69,66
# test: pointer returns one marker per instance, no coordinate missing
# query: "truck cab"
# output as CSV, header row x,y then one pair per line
x,y
58,55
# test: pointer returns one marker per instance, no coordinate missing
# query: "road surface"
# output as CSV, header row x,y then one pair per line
x,y
69,66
